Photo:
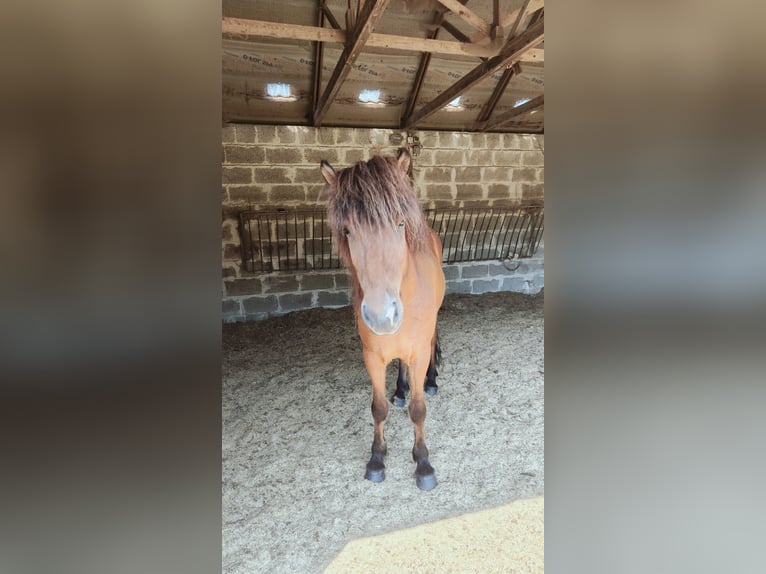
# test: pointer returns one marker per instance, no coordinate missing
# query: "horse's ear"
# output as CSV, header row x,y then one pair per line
x,y
404,158
328,172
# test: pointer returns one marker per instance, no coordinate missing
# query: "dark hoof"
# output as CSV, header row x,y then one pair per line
x,y
426,482
431,389
398,401
375,472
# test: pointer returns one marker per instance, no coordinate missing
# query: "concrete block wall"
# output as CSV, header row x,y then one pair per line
x,y
278,166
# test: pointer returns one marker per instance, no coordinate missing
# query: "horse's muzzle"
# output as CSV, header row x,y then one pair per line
x,y
387,319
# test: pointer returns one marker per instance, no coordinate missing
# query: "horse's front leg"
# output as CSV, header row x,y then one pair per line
x,y
425,477
376,368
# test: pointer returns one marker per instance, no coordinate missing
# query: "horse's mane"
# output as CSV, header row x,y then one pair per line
x,y
377,194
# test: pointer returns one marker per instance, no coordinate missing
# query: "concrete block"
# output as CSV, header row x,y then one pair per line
x,y
282,193
236,175
259,305
279,283
526,174
470,191
437,174
248,286
286,134
439,191
245,133
531,191
228,134
533,158
309,174
283,155
333,299
326,136
506,157
516,284
473,270
295,301
468,174
352,156
501,269
498,191
449,158
269,175
479,286
231,308
493,141
244,154
451,272
502,174
458,287
314,156
247,193
346,136
316,281
341,281
266,134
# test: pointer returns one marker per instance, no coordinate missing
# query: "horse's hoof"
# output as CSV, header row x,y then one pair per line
x,y
375,472
426,481
431,389
398,401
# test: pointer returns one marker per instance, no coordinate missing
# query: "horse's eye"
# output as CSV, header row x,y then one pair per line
x,y
345,231
401,224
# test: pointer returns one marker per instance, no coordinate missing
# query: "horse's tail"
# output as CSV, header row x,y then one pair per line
x,y
437,351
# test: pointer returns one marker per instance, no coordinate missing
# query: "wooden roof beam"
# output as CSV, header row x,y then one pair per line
x,y
329,15
489,107
366,19
510,18
522,14
510,54
297,33
467,15
316,90
455,32
425,61
532,104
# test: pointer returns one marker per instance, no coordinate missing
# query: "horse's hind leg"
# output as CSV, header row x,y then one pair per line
x,y
377,370
425,477
402,386
436,358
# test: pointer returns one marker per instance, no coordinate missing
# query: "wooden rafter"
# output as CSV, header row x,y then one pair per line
x,y
455,32
318,56
298,33
366,19
329,15
467,15
489,106
519,18
510,54
425,60
532,104
509,18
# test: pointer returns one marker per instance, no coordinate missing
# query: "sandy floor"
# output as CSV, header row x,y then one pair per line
x,y
297,431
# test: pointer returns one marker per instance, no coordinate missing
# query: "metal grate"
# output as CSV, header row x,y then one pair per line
x,y
300,239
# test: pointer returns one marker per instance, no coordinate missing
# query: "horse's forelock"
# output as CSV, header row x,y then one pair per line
x,y
376,193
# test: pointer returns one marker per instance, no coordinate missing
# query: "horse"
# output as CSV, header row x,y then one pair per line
x,y
394,262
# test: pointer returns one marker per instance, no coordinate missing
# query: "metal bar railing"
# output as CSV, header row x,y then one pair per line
x,y
467,234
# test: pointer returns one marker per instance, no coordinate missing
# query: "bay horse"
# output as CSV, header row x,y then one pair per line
x,y
394,262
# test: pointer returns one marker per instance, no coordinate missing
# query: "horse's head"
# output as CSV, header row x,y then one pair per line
x,y
376,219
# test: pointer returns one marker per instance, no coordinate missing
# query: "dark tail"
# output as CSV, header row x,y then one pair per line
x,y
437,352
